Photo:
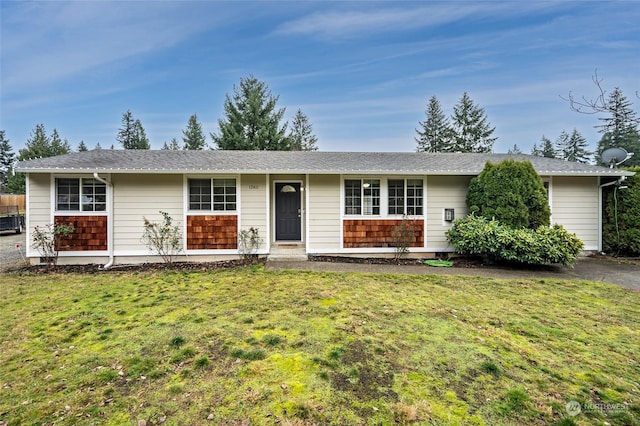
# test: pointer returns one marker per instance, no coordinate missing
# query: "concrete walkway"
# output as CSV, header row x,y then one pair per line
x,y
587,268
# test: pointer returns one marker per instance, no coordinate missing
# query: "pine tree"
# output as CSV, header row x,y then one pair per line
x,y
193,136
82,147
58,146
6,161
173,146
515,150
435,133
98,146
39,145
132,135
573,147
252,120
301,134
546,148
620,129
472,131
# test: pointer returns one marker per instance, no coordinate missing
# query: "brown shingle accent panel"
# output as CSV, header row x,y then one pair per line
x,y
212,232
362,233
89,233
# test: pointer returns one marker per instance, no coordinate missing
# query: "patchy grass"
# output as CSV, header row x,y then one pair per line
x,y
315,348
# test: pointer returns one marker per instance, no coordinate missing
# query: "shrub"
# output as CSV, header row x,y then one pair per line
x,y
403,236
511,192
164,239
621,217
249,241
479,236
47,240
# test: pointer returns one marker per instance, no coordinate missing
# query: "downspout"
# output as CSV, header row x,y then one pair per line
x,y
109,264
600,207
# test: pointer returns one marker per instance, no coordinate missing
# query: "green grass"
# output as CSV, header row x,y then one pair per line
x,y
299,348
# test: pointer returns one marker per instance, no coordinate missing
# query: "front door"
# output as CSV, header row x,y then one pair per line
x,y
288,212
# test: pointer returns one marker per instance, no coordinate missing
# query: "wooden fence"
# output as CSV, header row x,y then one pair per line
x,y
14,200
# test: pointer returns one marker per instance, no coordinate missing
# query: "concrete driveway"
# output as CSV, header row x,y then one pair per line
x,y
587,268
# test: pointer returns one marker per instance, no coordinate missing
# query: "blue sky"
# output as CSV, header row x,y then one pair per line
x,y
361,71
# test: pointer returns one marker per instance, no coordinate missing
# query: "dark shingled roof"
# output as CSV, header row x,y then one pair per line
x,y
317,162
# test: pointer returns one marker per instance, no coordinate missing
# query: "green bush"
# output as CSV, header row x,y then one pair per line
x,y
475,235
511,192
623,239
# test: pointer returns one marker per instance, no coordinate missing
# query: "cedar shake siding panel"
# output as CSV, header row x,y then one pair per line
x,y
89,233
361,233
212,232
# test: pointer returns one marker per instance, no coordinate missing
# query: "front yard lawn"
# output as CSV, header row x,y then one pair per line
x,y
245,346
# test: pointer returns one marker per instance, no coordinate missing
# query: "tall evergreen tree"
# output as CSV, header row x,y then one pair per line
x,y
301,134
435,133
473,133
132,135
39,145
546,148
620,128
6,160
173,146
252,119
573,147
193,136
82,147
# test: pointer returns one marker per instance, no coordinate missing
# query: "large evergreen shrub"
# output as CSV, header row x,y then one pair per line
x,y
623,239
488,238
510,192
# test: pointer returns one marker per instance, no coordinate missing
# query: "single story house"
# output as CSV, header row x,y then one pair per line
x,y
312,203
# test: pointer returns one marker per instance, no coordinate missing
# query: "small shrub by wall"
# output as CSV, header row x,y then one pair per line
x,y
475,235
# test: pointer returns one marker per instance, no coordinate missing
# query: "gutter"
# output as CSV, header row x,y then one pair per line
x,y
109,264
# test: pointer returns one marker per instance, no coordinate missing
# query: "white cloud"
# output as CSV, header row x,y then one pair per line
x,y
45,42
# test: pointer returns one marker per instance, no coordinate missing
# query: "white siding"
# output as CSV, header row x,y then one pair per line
x,y
141,195
253,203
324,212
443,192
574,202
38,205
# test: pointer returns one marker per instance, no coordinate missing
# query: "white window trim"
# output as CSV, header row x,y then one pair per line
x,y
384,197
54,197
189,212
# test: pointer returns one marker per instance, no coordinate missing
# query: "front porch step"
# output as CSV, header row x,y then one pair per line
x,y
287,253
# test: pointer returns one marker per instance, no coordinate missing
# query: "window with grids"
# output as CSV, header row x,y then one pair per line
x,y
224,194
396,196
362,196
405,199
212,194
77,194
199,194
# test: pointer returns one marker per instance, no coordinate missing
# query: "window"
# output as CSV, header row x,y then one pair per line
x,y
405,199
362,196
224,194
212,194
396,196
414,197
199,194
70,197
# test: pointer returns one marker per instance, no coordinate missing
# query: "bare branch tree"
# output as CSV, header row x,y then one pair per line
x,y
599,104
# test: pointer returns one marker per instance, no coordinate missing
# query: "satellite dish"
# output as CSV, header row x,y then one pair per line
x,y
615,156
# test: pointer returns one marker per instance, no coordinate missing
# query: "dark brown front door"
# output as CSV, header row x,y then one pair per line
x,y
288,212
